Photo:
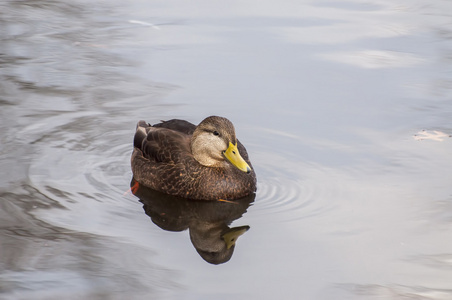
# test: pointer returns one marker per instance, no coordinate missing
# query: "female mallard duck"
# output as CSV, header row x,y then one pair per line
x,y
198,162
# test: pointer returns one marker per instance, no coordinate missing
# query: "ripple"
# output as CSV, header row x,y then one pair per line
x,y
90,185
89,182
292,196
112,172
102,169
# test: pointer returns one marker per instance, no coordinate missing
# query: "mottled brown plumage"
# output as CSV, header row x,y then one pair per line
x,y
181,159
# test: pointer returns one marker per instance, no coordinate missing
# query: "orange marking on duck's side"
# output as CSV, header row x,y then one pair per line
x,y
227,201
133,189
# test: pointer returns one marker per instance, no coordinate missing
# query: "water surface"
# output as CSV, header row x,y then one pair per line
x,y
344,107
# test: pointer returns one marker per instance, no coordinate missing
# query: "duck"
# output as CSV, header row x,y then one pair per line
x,y
203,162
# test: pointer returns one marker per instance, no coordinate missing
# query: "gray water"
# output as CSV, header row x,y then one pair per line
x,y
344,107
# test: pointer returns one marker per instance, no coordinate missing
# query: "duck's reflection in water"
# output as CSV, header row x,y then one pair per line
x,y
207,221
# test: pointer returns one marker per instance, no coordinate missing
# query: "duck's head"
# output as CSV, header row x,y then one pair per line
x,y
214,142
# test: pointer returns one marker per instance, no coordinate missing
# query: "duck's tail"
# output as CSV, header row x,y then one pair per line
x,y
141,133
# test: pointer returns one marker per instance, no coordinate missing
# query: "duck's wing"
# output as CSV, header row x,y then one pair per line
x,y
177,125
161,145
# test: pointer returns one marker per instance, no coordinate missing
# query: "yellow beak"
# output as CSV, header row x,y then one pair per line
x,y
233,155
231,236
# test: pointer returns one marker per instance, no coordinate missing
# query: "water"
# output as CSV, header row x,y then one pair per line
x,y
344,107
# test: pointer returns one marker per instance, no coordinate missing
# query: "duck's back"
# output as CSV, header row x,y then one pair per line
x,y
181,126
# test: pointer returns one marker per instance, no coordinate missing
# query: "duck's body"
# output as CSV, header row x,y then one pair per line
x,y
197,162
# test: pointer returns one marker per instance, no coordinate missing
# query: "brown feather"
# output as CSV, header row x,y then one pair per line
x,y
162,160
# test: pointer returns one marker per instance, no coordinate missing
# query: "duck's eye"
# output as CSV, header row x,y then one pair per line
x,y
216,133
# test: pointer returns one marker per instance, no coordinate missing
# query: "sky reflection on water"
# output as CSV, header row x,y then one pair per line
x,y
330,98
